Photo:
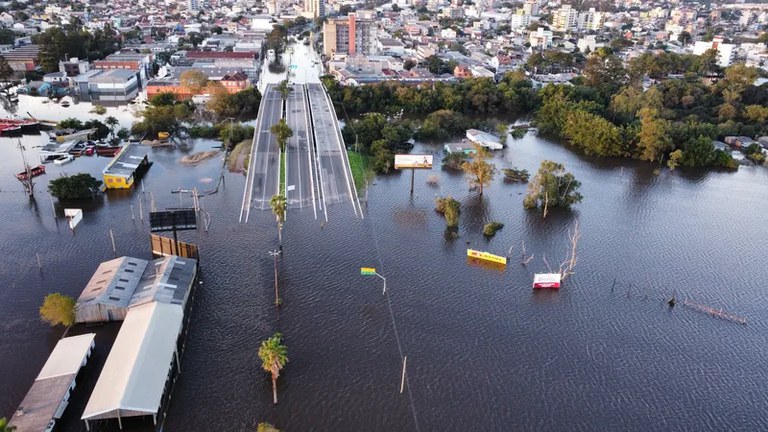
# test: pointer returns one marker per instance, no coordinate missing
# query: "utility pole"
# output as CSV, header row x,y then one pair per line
x,y
275,253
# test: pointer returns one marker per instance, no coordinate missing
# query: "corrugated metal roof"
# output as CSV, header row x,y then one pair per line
x,y
114,282
134,375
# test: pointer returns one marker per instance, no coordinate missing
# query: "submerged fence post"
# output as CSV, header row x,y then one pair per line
x,y
112,236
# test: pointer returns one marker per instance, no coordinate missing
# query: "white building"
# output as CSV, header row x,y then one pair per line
x,y
540,38
725,52
519,21
589,43
531,7
565,19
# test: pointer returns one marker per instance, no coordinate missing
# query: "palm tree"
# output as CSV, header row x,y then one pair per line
x,y
111,122
4,426
284,89
283,132
274,356
278,204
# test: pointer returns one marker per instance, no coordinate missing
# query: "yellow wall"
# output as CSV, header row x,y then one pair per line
x,y
117,182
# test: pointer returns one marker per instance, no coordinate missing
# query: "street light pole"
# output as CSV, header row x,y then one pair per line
x,y
275,254
385,283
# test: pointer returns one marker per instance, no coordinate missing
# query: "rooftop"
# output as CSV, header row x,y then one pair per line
x,y
126,162
52,385
134,375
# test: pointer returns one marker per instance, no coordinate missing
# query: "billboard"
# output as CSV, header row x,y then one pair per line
x,y
413,161
168,220
485,256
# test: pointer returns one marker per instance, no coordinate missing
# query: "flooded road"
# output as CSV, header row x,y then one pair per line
x,y
484,351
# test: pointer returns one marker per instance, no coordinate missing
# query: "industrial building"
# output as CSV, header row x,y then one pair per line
x,y
123,283
49,396
122,170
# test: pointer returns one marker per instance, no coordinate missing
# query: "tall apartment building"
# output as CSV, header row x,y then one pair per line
x,y
565,19
193,5
350,36
531,7
591,20
314,8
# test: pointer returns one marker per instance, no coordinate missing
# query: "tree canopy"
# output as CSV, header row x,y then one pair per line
x,y
58,309
78,186
552,186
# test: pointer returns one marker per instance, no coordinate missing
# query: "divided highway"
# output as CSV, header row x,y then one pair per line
x,y
317,167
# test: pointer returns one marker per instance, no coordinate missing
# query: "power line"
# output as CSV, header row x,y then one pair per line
x,y
394,326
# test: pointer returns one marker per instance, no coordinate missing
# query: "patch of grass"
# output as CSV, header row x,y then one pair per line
x,y
490,228
361,172
238,157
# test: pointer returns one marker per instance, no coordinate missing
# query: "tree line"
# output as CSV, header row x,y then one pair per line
x,y
655,106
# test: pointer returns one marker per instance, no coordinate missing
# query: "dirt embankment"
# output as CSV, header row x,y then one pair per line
x,y
198,157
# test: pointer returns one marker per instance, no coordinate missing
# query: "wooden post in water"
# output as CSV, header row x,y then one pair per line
x,y
53,207
133,216
141,211
39,265
112,236
402,379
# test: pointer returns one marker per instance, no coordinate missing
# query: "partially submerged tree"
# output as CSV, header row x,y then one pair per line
x,y
515,175
567,266
282,132
502,129
451,209
98,109
78,186
479,172
552,187
490,229
274,356
58,309
279,204
266,427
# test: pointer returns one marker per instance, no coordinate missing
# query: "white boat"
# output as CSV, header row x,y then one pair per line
x,y
484,139
61,160
53,150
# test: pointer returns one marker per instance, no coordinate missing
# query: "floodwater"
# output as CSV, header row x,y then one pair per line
x,y
483,351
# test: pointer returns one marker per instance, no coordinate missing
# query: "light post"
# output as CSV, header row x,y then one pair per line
x,y
275,253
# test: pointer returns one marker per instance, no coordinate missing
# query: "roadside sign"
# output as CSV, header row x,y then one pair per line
x,y
290,188
367,271
485,256
413,161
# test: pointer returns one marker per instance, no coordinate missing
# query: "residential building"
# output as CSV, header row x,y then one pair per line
x,y
725,52
193,5
314,8
349,36
564,19
74,67
531,7
390,46
540,38
23,59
